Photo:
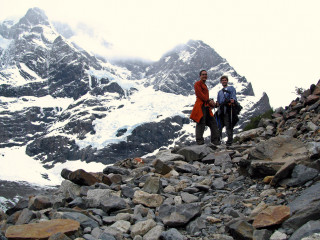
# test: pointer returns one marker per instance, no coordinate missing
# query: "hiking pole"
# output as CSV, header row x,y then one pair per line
x,y
218,122
231,116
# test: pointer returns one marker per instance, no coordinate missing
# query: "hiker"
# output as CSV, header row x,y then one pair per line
x,y
228,109
202,113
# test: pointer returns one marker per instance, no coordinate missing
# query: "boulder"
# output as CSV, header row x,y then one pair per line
x,y
178,215
270,216
42,230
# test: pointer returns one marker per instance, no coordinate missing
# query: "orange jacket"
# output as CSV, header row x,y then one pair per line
x,y
202,94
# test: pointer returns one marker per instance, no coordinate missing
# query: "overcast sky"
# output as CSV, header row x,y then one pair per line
x,y
273,43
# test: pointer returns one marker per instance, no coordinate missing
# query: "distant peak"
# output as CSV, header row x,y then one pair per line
x,y
35,16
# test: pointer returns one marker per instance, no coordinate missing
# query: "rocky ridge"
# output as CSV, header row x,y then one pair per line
x,y
266,186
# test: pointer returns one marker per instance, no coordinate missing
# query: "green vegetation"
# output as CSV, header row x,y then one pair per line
x,y
254,121
299,91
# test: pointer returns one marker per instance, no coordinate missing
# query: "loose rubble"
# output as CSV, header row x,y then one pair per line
x,y
265,186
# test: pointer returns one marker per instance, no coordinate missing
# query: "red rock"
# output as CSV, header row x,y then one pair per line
x,y
311,99
82,177
42,230
272,215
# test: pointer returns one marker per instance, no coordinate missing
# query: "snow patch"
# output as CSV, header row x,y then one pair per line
x,y
4,43
17,166
184,56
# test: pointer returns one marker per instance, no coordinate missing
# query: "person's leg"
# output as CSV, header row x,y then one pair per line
x,y
200,127
215,134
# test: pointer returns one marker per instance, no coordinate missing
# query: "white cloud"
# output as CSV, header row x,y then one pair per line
x,y
274,44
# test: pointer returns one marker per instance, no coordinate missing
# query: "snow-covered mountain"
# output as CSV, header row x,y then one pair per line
x,y
60,104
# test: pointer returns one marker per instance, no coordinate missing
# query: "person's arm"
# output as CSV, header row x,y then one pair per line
x,y
233,94
199,93
220,97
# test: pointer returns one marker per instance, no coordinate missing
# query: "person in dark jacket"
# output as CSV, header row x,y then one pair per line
x,y
202,113
227,101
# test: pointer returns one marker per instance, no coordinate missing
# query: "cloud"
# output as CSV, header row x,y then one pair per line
x,y
274,44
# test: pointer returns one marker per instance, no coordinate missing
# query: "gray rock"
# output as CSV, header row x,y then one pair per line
x,y
167,155
196,225
69,189
250,134
178,215
277,235
107,236
109,220
113,232
313,149
276,147
185,168
172,234
194,152
222,158
261,234
25,217
189,198
127,191
314,236
77,202
311,126
301,174
191,190
84,220
116,170
302,216
307,196
306,230
218,183
201,187
240,229
154,233
121,225
152,185
209,159
142,227
96,196
88,237
147,199
112,203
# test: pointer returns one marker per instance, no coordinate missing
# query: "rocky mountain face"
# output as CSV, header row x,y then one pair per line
x,y
37,62
266,187
177,70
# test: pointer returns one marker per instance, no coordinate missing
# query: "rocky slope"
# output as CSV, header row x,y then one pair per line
x,y
264,187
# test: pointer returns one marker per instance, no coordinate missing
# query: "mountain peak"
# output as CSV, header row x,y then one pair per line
x,y
35,16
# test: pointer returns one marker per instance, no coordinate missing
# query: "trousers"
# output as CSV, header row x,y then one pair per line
x,y
209,121
226,122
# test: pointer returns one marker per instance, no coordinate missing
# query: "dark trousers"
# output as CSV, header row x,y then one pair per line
x,y
226,122
209,121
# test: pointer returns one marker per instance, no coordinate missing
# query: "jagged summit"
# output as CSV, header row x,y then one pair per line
x,y
35,16
177,71
33,21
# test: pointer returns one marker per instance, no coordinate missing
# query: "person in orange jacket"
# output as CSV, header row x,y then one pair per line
x,y
202,113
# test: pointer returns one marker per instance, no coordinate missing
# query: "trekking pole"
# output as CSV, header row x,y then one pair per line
x,y
231,115
218,122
